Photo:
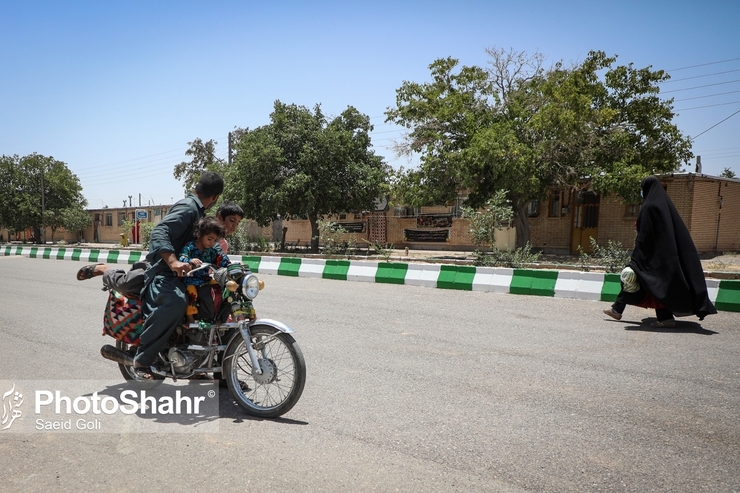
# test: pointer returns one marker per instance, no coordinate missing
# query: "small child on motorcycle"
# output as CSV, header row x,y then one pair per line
x,y
202,297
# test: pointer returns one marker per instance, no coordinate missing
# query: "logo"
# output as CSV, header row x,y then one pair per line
x,y
12,400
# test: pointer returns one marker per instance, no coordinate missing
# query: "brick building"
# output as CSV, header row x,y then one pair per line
x,y
709,205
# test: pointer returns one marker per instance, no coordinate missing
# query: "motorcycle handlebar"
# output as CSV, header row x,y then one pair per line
x,y
204,265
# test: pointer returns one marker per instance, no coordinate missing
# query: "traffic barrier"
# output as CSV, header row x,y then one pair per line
x,y
594,286
534,282
312,267
456,277
391,272
493,279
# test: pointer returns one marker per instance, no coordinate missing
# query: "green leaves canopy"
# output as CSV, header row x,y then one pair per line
x,y
305,165
21,192
518,127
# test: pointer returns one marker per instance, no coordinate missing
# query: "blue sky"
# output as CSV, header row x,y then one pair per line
x,y
117,89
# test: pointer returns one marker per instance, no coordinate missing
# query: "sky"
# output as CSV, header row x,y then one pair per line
x,y
117,90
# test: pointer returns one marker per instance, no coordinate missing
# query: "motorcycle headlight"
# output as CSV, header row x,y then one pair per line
x,y
250,286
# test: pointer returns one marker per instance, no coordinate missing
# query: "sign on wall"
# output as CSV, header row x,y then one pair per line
x,y
426,235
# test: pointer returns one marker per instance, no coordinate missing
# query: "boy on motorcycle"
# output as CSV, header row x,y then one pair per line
x,y
131,282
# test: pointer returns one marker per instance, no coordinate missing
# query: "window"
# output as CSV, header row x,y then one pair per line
x,y
121,218
631,210
109,219
555,201
533,209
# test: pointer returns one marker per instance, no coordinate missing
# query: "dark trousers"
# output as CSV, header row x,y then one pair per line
x,y
662,314
163,303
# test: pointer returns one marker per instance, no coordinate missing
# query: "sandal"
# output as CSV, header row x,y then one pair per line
x,y
87,272
144,372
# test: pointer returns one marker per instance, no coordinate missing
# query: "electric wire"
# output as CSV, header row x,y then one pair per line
x,y
710,128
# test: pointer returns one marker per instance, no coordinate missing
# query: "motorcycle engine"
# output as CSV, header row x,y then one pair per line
x,y
183,360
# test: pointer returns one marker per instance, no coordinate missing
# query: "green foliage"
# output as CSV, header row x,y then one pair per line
x,y
335,239
304,165
484,223
21,192
507,258
522,128
203,157
76,219
145,231
126,227
613,257
728,173
384,250
584,259
241,242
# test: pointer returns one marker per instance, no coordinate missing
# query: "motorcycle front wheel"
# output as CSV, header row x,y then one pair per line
x,y
275,390
131,376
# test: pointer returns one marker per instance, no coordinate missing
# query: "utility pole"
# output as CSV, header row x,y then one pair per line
x,y
229,148
43,207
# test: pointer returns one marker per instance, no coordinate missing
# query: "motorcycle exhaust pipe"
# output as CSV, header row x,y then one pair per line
x,y
114,354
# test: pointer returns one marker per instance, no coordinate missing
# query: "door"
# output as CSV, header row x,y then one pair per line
x,y
585,222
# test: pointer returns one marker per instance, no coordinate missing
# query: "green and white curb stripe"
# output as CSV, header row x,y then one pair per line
x,y
593,286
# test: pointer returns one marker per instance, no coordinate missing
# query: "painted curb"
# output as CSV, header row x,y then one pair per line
x,y
725,294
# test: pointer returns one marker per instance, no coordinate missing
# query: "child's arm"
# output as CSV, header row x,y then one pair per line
x,y
185,254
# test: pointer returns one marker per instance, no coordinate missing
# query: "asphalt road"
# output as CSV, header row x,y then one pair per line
x,y
408,389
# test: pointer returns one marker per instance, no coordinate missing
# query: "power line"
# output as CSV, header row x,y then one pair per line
x,y
699,87
721,121
703,65
707,96
708,106
700,76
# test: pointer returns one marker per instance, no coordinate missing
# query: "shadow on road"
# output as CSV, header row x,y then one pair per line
x,y
682,327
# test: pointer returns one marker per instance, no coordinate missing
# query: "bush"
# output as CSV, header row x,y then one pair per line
x,y
384,251
241,242
613,257
507,258
334,239
145,231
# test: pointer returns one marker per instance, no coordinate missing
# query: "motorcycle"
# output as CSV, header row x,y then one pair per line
x,y
258,359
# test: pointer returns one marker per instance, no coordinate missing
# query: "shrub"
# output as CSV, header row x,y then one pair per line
x,y
507,258
614,257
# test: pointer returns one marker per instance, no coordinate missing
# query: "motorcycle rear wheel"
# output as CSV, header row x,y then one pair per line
x,y
278,388
131,376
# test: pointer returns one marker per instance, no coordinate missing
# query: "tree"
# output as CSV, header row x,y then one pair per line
x,y
203,158
302,164
727,173
484,223
524,129
22,199
76,219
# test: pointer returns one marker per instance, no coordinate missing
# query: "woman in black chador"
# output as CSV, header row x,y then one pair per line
x,y
665,262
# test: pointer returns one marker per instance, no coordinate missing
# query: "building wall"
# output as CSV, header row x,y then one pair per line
x,y
551,234
710,208
616,222
110,231
728,239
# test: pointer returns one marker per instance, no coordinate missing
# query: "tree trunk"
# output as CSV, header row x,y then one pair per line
x,y
521,223
314,233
